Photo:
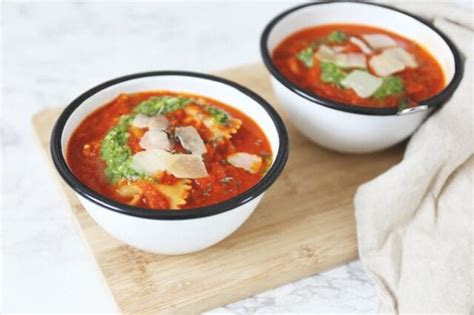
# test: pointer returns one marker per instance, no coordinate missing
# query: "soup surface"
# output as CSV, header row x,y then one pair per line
x,y
164,150
359,65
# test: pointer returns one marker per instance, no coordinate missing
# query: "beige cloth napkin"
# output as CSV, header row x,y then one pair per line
x,y
415,222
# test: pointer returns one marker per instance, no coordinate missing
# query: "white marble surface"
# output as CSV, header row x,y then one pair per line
x,y
51,52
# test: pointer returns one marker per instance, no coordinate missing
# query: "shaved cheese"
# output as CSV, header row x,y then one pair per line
x,y
154,122
362,82
385,64
155,139
392,60
338,49
150,162
140,121
187,166
361,44
191,140
379,41
249,162
401,55
325,53
158,122
351,60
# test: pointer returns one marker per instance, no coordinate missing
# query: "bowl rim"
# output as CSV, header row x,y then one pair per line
x,y
59,161
432,102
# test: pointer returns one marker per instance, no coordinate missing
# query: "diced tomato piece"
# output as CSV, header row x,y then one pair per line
x,y
168,179
154,199
218,170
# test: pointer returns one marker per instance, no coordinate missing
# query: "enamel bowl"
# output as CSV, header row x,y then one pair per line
x,y
171,231
354,129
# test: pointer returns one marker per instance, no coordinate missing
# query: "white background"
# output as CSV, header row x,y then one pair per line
x,y
51,52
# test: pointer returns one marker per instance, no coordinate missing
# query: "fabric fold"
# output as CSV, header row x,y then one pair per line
x,y
415,222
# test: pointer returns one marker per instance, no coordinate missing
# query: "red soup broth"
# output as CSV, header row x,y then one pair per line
x,y
420,83
224,180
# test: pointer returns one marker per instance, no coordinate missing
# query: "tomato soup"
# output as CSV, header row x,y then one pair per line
x,y
359,65
166,150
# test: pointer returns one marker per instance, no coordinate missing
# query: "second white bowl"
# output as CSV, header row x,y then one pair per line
x,y
348,128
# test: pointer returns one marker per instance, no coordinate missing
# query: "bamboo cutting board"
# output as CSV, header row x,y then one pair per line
x,y
304,225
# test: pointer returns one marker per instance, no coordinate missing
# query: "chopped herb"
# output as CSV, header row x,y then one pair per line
x,y
306,56
391,85
161,105
404,103
116,153
337,37
331,73
219,115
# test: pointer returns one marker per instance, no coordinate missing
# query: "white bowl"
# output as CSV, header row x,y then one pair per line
x,y
346,128
171,231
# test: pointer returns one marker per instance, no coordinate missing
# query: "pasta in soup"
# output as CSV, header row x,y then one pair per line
x,y
166,150
359,65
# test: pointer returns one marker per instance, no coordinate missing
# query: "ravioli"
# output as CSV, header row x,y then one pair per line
x,y
176,193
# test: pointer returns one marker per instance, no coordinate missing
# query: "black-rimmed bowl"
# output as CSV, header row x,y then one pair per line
x,y
348,128
171,231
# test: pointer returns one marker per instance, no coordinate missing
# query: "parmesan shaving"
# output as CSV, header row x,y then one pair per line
x,y
158,122
362,82
140,121
379,41
338,49
155,139
249,162
151,162
155,122
191,140
361,44
384,65
401,55
187,166
325,53
351,60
